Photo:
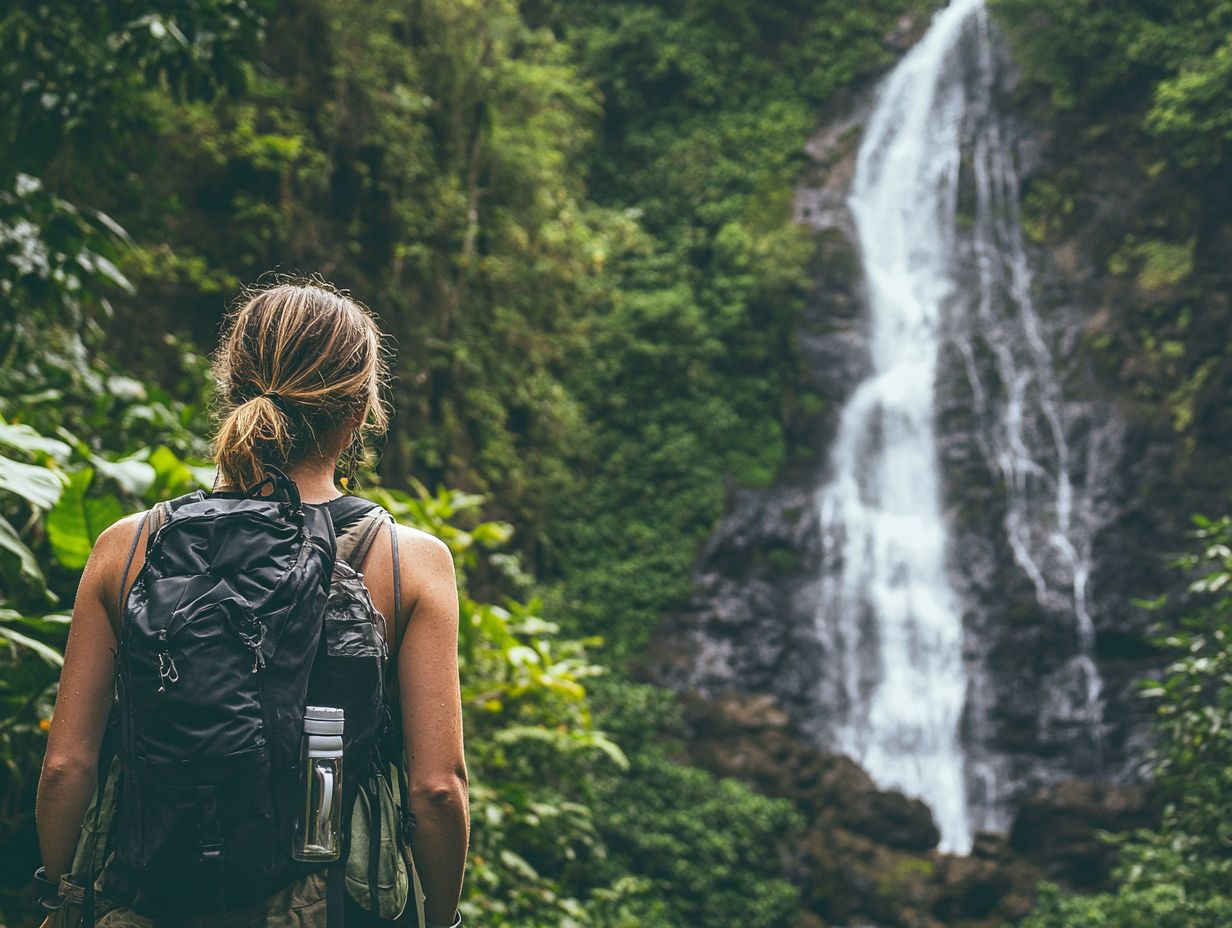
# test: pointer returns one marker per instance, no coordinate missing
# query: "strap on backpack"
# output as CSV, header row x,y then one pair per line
x,y
407,825
374,850
355,542
394,712
335,890
155,516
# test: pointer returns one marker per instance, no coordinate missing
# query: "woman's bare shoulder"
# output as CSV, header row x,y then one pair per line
x,y
423,545
102,577
113,543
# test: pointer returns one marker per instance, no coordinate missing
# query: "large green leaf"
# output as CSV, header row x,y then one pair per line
x,y
27,564
78,519
39,486
53,624
24,438
133,475
174,475
45,651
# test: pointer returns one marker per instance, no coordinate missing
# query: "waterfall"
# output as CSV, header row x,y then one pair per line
x,y
888,612
887,602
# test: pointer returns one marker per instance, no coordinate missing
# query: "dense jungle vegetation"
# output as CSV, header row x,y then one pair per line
x,y
573,220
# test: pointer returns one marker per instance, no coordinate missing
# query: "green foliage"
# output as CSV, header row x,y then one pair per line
x,y
70,76
530,737
1168,64
1180,876
1159,264
71,70
1190,110
729,871
686,368
731,835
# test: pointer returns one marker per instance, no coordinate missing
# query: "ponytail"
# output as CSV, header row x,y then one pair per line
x,y
255,432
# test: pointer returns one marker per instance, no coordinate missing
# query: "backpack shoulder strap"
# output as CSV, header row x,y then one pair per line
x,y
154,518
393,544
356,539
159,516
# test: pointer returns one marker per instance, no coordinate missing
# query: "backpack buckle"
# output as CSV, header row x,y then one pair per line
x,y
211,851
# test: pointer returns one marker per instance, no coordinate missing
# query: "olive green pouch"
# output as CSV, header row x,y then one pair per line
x,y
393,881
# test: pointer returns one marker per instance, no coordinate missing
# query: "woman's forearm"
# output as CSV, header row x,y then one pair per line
x,y
439,843
64,793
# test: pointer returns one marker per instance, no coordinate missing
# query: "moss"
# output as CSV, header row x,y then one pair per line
x,y
781,559
1047,207
1181,401
1158,264
809,404
903,872
1165,264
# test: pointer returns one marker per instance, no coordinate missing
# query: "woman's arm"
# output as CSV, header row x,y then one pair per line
x,y
432,721
70,766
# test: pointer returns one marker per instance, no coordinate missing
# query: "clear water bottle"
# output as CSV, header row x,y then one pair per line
x,y
319,828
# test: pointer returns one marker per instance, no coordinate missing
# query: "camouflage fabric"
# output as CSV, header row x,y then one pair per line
x,y
300,905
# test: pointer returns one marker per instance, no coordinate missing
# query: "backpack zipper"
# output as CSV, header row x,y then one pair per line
x,y
167,672
253,642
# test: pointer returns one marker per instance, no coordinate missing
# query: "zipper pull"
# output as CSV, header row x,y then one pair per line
x,y
167,671
254,643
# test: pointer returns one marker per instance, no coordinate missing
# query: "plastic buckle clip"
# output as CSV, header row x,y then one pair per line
x,y
211,851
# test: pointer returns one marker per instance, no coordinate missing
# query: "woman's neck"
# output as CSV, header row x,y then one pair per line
x,y
315,481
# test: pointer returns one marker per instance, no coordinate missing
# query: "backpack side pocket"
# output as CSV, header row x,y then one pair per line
x,y
392,878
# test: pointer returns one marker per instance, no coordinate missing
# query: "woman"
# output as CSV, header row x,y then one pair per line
x,y
300,372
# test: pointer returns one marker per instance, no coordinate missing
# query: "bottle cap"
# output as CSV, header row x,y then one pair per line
x,y
323,720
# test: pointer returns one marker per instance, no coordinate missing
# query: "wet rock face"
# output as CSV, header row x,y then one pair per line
x,y
865,856
1058,828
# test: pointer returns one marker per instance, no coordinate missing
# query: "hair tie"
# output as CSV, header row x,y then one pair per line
x,y
276,398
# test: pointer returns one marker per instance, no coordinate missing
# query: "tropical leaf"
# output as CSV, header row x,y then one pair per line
x,y
39,486
53,625
173,475
78,519
133,475
24,438
27,564
45,651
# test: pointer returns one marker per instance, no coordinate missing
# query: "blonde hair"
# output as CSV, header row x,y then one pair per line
x,y
297,362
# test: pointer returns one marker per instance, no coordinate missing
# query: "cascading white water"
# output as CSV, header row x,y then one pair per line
x,y
1049,516
887,603
888,612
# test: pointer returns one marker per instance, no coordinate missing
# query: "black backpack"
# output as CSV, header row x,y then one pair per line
x,y
244,612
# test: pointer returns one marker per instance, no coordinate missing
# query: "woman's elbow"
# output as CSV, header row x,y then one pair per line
x,y
63,776
443,791
67,768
